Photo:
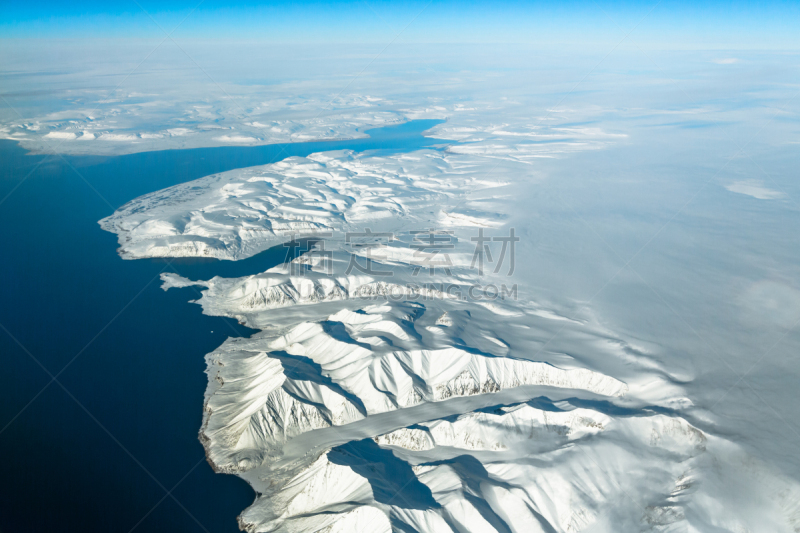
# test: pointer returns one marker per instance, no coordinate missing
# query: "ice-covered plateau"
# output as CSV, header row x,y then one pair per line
x,y
374,403
105,121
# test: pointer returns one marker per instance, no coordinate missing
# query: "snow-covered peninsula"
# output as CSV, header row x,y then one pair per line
x,y
405,378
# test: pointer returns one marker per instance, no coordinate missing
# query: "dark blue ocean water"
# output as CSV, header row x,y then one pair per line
x,y
98,454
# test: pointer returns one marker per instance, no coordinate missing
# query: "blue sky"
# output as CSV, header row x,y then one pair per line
x,y
667,24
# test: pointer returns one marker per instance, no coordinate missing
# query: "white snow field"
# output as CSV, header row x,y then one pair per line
x,y
391,398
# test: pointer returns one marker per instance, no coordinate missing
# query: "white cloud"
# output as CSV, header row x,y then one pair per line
x,y
754,189
772,303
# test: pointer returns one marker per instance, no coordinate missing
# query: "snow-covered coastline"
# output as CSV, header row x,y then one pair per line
x,y
390,397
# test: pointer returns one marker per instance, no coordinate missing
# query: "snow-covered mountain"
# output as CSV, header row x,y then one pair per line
x,y
393,387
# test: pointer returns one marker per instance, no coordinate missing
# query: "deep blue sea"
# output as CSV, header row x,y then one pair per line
x,y
102,452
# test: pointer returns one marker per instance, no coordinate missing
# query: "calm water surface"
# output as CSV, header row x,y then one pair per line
x,y
100,451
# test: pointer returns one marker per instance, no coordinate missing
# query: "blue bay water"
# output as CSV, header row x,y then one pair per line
x,y
99,448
